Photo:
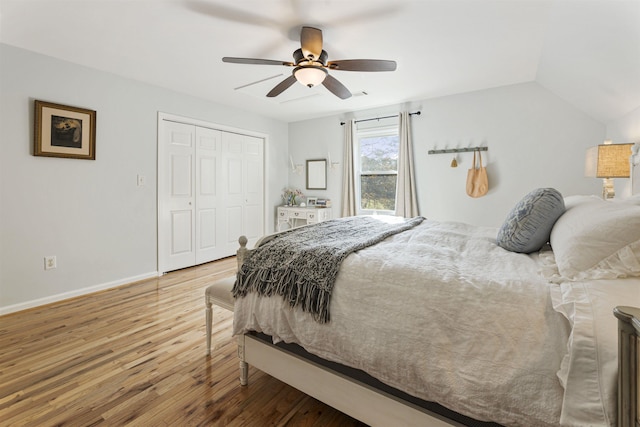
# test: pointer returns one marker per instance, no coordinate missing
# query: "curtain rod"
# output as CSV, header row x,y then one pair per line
x,y
380,118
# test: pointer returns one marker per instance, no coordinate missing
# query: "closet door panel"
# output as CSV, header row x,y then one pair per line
x,y
232,153
181,226
176,213
181,174
207,235
254,188
233,228
208,200
253,223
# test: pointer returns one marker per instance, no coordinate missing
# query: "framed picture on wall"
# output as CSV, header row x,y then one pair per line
x,y
311,201
317,174
64,131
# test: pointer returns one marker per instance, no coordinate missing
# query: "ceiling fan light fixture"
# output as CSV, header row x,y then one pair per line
x,y
310,75
311,66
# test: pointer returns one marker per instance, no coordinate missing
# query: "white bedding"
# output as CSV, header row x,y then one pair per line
x,y
480,337
589,370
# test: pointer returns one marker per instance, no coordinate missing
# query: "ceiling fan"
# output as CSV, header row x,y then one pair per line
x,y
312,68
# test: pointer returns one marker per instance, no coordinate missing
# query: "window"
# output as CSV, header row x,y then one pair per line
x,y
377,170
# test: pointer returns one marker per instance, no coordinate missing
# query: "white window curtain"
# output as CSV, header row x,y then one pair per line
x,y
406,199
348,174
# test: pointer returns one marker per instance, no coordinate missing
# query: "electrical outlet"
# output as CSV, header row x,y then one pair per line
x,y
50,262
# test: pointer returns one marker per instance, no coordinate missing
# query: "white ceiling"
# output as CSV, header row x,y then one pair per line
x,y
585,51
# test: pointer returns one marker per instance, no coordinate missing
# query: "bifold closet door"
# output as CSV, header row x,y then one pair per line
x,y
244,188
210,192
209,214
176,207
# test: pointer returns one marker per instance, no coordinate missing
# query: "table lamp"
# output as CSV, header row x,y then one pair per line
x,y
608,161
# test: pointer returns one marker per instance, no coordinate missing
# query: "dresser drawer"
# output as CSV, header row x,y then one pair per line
x,y
283,213
297,214
312,217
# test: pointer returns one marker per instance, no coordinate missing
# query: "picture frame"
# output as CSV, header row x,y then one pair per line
x,y
64,131
311,202
317,174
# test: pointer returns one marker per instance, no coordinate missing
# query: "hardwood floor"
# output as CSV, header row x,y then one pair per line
x,y
135,355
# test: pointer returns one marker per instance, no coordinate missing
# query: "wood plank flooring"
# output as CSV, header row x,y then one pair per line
x,y
135,355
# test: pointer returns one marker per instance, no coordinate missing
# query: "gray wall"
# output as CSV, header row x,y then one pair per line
x,y
535,139
91,214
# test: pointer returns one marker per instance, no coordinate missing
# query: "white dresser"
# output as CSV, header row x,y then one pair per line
x,y
296,216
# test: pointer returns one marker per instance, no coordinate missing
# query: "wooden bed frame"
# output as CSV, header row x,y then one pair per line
x,y
628,365
377,408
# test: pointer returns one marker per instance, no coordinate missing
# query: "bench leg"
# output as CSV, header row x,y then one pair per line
x,y
209,314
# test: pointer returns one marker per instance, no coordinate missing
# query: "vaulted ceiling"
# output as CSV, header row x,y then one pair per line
x,y
585,51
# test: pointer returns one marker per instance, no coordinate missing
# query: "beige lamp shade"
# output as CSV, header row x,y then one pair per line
x,y
613,161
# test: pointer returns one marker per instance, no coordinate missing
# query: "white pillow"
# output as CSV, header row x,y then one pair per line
x,y
634,200
597,239
572,201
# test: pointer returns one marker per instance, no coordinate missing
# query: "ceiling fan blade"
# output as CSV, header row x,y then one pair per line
x,y
256,61
311,42
362,65
282,86
335,87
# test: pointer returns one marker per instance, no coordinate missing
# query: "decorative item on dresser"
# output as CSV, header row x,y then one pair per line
x,y
296,216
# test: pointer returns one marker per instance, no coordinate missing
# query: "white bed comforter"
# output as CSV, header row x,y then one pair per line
x,y
442,313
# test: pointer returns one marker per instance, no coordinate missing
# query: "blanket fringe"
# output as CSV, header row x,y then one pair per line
x,y
294,288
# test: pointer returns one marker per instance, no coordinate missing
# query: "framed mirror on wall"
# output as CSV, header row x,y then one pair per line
x,y
317,174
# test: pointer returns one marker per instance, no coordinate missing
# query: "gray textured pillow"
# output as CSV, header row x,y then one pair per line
x,y
528,225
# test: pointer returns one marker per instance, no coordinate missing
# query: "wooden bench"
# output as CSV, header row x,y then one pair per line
x,y
219,293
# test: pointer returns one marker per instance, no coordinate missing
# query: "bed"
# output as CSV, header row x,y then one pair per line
x,y
437,324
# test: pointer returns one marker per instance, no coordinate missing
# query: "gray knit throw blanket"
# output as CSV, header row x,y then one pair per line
x,y
302,264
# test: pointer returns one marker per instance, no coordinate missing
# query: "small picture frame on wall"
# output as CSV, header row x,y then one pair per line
x,y
64,131
312,201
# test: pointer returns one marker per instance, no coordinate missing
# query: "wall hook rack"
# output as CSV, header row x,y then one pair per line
x,y
458,150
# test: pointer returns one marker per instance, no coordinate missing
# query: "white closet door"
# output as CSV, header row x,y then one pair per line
x,y
254,189
208,200
210,192
176,214
233,173
243,169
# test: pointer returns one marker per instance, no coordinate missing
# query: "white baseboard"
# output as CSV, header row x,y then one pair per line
x,y
75,293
